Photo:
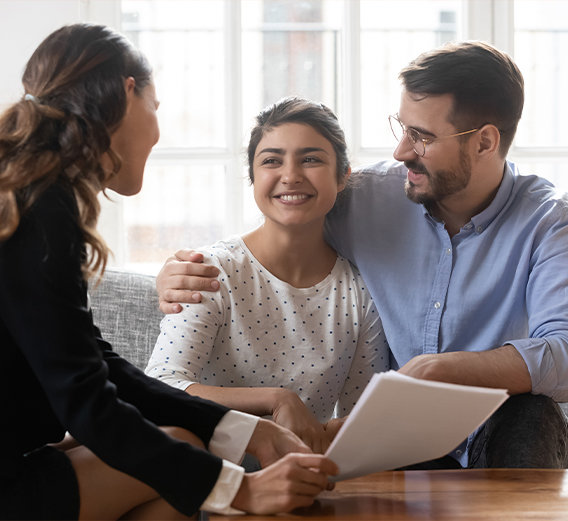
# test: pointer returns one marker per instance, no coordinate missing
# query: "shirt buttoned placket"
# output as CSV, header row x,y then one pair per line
x,y
437,299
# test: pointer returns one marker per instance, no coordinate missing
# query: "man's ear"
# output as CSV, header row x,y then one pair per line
x,y
343,183
489,139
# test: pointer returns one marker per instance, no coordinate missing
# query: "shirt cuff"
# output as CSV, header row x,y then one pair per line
x,y
538,357
220,498
232,435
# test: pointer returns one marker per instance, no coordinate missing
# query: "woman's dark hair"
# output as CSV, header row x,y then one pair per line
x,y
299,110
486,85
74,99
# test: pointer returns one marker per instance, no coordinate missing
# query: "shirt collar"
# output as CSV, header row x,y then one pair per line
x,y
483,219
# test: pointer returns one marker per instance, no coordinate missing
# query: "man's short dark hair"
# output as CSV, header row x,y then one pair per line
x,y
486,85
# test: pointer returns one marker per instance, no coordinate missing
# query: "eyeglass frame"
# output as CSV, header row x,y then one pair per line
x,y
414,137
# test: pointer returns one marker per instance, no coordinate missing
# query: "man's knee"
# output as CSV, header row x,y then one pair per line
x,y
526,431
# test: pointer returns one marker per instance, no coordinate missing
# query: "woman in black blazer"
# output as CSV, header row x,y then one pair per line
x,y
143,449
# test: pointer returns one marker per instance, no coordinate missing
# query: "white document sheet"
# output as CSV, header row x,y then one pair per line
x,y
399,420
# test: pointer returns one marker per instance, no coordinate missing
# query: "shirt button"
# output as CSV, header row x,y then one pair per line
x,y
449,251
468,226
459,452
437,305
479,229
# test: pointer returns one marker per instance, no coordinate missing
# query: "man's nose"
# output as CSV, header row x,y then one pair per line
x,y
404,151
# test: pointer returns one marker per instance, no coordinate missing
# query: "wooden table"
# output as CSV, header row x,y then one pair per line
x,y
440,495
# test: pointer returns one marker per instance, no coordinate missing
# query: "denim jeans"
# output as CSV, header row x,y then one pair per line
x,y
527,431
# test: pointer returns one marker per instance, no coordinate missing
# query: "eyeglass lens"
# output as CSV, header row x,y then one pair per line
x,y
399,131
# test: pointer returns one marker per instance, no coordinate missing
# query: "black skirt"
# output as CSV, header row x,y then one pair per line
x,y
39,485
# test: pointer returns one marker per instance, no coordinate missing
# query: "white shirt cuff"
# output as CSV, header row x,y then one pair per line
x,y
232,435
220,498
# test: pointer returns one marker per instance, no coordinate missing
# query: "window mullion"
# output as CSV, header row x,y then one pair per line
x,y
504,25
478,20
233,96
352,74
111,223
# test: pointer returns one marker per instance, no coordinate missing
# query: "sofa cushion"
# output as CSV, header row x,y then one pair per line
x,y
125,308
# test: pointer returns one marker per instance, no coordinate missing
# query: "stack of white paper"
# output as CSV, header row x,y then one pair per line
x,y
400,420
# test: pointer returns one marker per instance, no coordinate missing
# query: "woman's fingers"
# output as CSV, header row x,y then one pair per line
x,y
289,483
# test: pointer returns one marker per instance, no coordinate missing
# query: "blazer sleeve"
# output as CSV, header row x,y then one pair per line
x,y
103,401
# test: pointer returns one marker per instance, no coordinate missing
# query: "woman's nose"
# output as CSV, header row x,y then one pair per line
x,y
291,175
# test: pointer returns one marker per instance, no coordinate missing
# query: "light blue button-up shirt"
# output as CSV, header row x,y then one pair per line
x,y
503,279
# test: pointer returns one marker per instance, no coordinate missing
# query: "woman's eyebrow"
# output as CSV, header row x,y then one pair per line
x,y
307,150
272,151
281,151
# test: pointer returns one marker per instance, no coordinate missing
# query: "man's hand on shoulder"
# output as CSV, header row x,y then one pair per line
x,y
181,279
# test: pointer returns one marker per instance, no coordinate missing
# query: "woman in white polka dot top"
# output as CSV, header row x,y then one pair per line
x,y
293,332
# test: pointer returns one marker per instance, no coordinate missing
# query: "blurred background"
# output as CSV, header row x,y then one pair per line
x,y
218,62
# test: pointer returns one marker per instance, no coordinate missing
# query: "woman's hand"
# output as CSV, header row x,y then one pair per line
x,y
291,412
290,483
270,442
182,277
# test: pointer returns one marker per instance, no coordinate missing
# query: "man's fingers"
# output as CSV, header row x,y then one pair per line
x,y
186,285
170,308
192,269
188,255
181,296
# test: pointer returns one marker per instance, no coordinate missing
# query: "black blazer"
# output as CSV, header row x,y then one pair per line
x,y
60,375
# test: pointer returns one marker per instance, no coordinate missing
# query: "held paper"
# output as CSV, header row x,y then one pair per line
x,y
399,420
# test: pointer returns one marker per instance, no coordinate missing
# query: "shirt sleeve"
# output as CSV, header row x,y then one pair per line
x,y
371,355
545,350
185,342
229,441
232,435
220,499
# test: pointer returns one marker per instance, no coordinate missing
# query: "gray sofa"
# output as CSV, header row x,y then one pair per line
x,y
125,308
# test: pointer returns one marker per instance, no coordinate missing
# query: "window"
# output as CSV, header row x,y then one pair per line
x,y
541,42
392,34
218,62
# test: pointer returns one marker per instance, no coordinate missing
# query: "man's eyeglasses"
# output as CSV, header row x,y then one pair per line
x,y
417,141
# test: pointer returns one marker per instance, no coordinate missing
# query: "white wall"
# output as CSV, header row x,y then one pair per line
x,y
25,23
23,26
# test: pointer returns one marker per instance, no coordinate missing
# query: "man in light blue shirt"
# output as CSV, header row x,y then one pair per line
x,y
466,260
486,306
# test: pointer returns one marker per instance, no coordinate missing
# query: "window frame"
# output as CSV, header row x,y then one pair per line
x,y
489,20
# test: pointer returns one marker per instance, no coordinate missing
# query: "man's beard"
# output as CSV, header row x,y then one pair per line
x,y
442,183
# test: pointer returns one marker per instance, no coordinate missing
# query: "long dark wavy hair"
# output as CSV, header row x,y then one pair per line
x,y
74,100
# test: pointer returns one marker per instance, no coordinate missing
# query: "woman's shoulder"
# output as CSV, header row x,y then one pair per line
x,y
56,200
53,214
351,278
347,269
227,254
51,221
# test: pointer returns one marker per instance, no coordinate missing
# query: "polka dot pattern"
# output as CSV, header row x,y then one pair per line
x,y
323,342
